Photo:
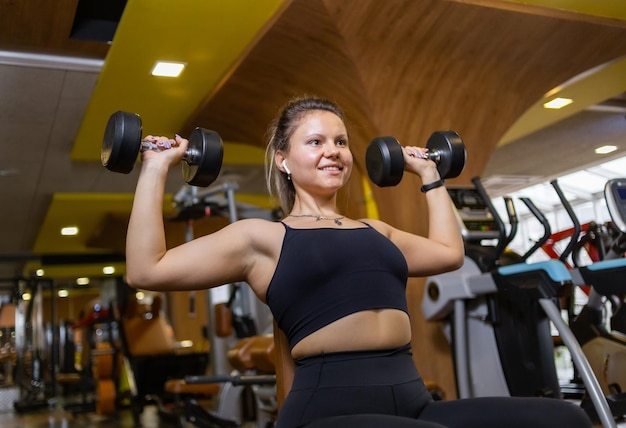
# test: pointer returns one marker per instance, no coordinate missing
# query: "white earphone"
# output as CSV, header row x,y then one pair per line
x,y
284,164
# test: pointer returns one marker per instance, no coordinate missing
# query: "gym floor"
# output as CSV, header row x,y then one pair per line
x,y
62,419
56,417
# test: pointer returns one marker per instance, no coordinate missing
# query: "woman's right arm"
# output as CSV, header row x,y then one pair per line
x,y
219,258
145,238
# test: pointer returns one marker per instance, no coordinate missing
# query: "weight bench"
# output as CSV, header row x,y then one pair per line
x,y
253,359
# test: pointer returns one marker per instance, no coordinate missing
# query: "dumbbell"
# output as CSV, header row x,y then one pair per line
x,y
384,158
122,144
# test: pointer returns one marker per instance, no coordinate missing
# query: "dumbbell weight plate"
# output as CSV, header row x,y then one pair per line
x,y
451,150
122,142
384,161
204,160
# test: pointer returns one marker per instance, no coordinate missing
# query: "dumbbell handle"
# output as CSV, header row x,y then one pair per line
x,y
434,155
149,145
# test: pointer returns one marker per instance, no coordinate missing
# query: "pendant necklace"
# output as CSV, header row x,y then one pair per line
x,y
337,220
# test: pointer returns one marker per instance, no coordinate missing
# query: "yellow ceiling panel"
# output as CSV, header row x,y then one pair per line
x,y
243,154
84,210
209,36
594,87
89,213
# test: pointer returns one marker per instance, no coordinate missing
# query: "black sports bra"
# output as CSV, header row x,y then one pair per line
x,y
326,274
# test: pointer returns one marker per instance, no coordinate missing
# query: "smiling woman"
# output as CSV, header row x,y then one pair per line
x,y
322,142
404,66
336,286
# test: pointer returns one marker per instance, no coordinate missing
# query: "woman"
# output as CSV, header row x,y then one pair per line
x,y
335,285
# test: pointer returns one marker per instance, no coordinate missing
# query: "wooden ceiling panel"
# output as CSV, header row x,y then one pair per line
x,y
409,68
303,53
437,64
44,26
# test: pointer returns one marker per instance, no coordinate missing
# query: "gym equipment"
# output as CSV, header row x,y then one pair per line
x,y
498,320
231,400
122,144
245,305
384,159
32,355
100,368
615,195
605,350
252,359
150,353
8,357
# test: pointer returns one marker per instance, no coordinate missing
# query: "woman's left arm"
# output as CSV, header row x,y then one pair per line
x,y
443,249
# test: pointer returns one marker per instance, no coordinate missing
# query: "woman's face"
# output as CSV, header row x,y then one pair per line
x,y
319,156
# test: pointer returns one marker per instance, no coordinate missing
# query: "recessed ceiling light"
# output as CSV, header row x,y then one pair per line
x,y
558,103
168,69
82,281
39,272
108,270
69,231
63,293
603,150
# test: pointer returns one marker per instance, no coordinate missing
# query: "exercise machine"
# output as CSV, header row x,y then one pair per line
x,y
32,375
498,318
605,349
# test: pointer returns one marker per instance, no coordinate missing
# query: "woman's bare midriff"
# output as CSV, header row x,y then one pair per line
x,y
365,330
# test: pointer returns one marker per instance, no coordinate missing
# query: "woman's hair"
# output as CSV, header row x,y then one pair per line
x,y
280,131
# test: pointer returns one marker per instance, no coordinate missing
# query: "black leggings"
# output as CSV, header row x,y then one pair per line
x,y
384,387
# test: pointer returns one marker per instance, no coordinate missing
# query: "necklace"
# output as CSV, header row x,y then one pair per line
x,y
337,220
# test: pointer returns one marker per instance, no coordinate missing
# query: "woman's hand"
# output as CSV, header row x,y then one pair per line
x,y
417,162
170,151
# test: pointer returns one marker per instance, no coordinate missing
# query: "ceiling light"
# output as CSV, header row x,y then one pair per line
x,y
167,69
603,150
82,281
69,231
39,272
140,295
26,297
63,293
108,270
558,103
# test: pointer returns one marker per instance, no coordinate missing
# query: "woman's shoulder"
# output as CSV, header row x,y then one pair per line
x,y
258,223
258,228
263,236
379,225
